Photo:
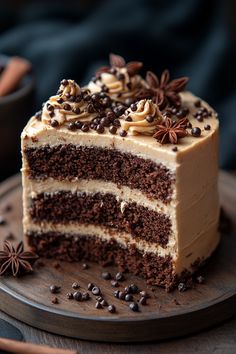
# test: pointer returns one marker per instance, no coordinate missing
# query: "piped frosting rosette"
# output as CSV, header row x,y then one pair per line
x,y
141,118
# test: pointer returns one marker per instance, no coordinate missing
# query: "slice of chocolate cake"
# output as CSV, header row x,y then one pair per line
x,y
123,171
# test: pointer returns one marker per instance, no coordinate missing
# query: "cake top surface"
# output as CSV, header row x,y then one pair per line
x,y
120,106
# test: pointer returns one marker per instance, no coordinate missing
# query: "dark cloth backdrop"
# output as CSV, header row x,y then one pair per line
x,y
65,39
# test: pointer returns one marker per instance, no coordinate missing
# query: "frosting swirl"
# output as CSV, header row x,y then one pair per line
x,y
142,120
120,85
68,105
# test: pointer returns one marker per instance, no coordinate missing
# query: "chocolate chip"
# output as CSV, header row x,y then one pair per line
x,y
114,283
112,129
106,275
207,127
149,119
189,125
85,296
175,149
90,108
75,285
123,133
69,296
111,309
54,289
60,100
196,132
100,129
77,296
98,305
119,276
128,119
128,297
55,301
143,300
90,286
134,289
133,107
85,266
104,303
54,123
121,295
96,290
85,128
182,287
50,107
134,306
64,82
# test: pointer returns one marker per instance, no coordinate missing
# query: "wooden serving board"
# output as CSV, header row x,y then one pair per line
x,y
167,315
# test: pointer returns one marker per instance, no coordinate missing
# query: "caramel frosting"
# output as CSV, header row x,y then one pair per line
x,y
143,120
120,85
68,105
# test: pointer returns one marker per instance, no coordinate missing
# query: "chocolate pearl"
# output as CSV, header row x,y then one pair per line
x,y
143,300
117,111
111,115
196,132
87,97
54,123
55,301
78,98
95,97
76,110
67,95
106,101
72,126
123,133
200,279
144,294
114,283
128,297
205,114
197,103
128,119
104,303
67,107
182,287
93,126
38,115
100,129
207,127
96,290
90,108
119,276
181,113
85,266
120,76
175,149
99,298
116,293
133,107
85,296
69,296
134,306
104,88
199,118
113,71
77,296
116,123
111,309
98,305
54,289
72,98
128,101
106,275
112,129
2,221
90,286
128,289
51,114
96,120
78,124
134,288
75,285
64,82
121,295
149,119
60,100
50,107
85,128
105,122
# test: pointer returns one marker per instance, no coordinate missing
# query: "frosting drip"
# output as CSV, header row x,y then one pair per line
x,y
143,120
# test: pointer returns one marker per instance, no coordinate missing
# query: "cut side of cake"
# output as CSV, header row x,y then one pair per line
x,y
123,172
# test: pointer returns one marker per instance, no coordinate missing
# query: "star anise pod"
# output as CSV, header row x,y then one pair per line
x,y
15,260
116,61
170,131
163,91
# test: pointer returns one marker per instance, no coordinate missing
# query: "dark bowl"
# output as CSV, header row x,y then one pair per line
x,y
15,110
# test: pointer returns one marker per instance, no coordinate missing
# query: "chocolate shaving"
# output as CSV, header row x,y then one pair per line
x,y
15,260
170,131
163,92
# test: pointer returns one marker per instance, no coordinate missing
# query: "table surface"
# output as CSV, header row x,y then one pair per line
x,y
218,340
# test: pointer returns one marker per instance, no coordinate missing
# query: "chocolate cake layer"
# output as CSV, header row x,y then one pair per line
x,y
101,209
70,161
157,270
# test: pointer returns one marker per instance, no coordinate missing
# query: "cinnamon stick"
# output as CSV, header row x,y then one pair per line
x,y
17,347
12,74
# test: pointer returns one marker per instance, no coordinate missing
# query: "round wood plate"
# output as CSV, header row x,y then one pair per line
x,y
167,315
